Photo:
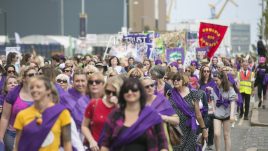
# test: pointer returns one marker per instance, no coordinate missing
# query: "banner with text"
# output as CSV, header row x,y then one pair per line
x,y
211,35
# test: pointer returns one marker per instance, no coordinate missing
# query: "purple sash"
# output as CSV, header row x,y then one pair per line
x,y
59,89
233,82
211,83
162,105
33,135
76,105
79,110
221,100
185,109
147,118
2,82
73,92
13,94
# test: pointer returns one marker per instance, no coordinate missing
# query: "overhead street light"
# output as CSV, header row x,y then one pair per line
x,y
2,11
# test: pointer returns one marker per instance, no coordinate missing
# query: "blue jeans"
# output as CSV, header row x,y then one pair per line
x,y
9,139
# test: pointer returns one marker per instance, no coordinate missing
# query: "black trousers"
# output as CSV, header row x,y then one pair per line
x,y
261,90
210,129
246,101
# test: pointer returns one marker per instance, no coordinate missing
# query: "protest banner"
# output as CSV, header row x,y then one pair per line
x,y
211,35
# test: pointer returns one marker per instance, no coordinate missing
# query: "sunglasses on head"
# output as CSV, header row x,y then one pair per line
x,y
97,82
149,86
109,92
61,81
11,71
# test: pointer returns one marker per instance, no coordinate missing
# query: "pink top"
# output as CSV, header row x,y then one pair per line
x,y
18,105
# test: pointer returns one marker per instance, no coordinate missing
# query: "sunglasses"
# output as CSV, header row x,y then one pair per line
x,y
109,92
176,80
97,82
165,78
31,75
206,71
132,90
149,86
65,71
89,72
187,71
61,81
11,71
111,75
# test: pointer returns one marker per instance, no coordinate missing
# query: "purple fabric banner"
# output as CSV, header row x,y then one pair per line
x,y
173,54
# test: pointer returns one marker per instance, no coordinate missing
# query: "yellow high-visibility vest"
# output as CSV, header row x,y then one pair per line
x,y
245,82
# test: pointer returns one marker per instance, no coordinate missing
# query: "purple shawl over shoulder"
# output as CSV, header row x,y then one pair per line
x,y
76,103
162,105
185,109
13,94
147,118
2,82
233,82
221,100
33,135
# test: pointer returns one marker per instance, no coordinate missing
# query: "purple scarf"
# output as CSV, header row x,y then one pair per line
x,y
147,118
33,135
59,89
76,106
73,92
211,83
162,105
185,109
233,82
221,100
2,82
13,94
79,110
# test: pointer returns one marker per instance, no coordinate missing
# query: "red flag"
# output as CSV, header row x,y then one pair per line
x,y
211,35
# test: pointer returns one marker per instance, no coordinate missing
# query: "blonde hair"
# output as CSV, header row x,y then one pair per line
x,y
49,86
136,71
99,75
116,82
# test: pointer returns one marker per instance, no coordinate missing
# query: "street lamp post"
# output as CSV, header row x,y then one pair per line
x,y
62,17
5,20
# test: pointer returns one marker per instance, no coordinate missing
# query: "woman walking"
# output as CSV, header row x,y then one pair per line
x,y
186,104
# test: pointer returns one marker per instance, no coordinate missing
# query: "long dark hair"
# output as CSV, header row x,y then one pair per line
x,y
131,83
202,77
225,84
10,57
110,61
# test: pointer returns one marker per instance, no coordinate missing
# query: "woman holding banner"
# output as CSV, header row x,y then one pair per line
x,y
41,126
134,126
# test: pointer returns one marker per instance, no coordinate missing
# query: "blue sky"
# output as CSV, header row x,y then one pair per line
x,y
248,11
